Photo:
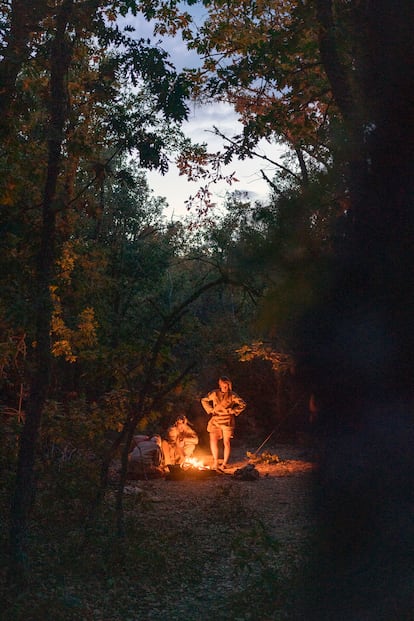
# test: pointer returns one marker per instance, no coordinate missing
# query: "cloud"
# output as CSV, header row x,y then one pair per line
x,y
199,127
177,189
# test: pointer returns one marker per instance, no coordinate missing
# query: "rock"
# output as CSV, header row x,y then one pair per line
x,y
248,473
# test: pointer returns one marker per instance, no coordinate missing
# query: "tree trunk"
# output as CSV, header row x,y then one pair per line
x,y
363,343
60,58
348,99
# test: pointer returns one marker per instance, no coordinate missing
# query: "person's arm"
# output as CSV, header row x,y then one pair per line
x,y
237,405
208,403
172,435
190,435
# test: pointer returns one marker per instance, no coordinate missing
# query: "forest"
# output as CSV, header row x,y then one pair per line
x,y
114,318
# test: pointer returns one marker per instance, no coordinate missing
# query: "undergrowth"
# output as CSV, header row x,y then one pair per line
x,y
215,559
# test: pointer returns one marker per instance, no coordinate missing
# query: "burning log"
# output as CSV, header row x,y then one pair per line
x,y
191,470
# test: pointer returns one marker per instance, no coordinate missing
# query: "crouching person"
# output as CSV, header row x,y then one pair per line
x,y
145,459
180,442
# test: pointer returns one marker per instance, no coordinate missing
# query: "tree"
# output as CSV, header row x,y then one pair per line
x,y
22,23
61,53
375,262
265,60
58,43
359,338
327,79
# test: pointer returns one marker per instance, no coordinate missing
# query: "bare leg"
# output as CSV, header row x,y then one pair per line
x,y
166,449
180,456
227,450
214,449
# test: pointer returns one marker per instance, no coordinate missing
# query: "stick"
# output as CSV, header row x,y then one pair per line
x,y
282,420
263,443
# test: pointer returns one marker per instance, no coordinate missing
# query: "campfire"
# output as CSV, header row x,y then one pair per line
x,y
190,469
192,462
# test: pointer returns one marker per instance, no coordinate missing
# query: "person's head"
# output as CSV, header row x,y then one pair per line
x,y
224,383
181,420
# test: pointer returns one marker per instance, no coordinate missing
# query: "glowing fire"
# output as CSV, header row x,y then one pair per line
x,y
192,462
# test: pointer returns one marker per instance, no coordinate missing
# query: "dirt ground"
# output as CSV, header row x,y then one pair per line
x,y
247,536
281,494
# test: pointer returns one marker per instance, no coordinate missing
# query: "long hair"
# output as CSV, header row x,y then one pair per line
x,y
227,380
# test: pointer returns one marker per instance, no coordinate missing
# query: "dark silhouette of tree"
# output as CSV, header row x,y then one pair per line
x,y
359,338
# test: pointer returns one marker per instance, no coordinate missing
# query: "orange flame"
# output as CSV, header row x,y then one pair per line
x,y
192,462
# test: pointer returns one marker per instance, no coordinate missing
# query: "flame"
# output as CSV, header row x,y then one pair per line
x,y
192,462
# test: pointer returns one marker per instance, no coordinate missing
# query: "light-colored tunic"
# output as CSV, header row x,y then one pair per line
x,y
223,407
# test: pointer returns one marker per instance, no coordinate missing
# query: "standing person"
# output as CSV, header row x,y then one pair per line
x,y
224,405
180,442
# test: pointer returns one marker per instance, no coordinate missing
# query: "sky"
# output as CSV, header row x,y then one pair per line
x,y
177,189
199,127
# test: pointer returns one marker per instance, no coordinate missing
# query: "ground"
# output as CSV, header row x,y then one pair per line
x,y
239,544
217,549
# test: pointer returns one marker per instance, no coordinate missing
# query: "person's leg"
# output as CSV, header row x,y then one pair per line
x,y
214,438
227,435
179,454
189,448
167,453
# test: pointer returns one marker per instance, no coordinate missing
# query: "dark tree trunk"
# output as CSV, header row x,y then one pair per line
x,y
60,57
348,99
361,337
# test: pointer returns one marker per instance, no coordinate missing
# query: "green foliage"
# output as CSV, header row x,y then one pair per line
x,y
271,72
77,427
